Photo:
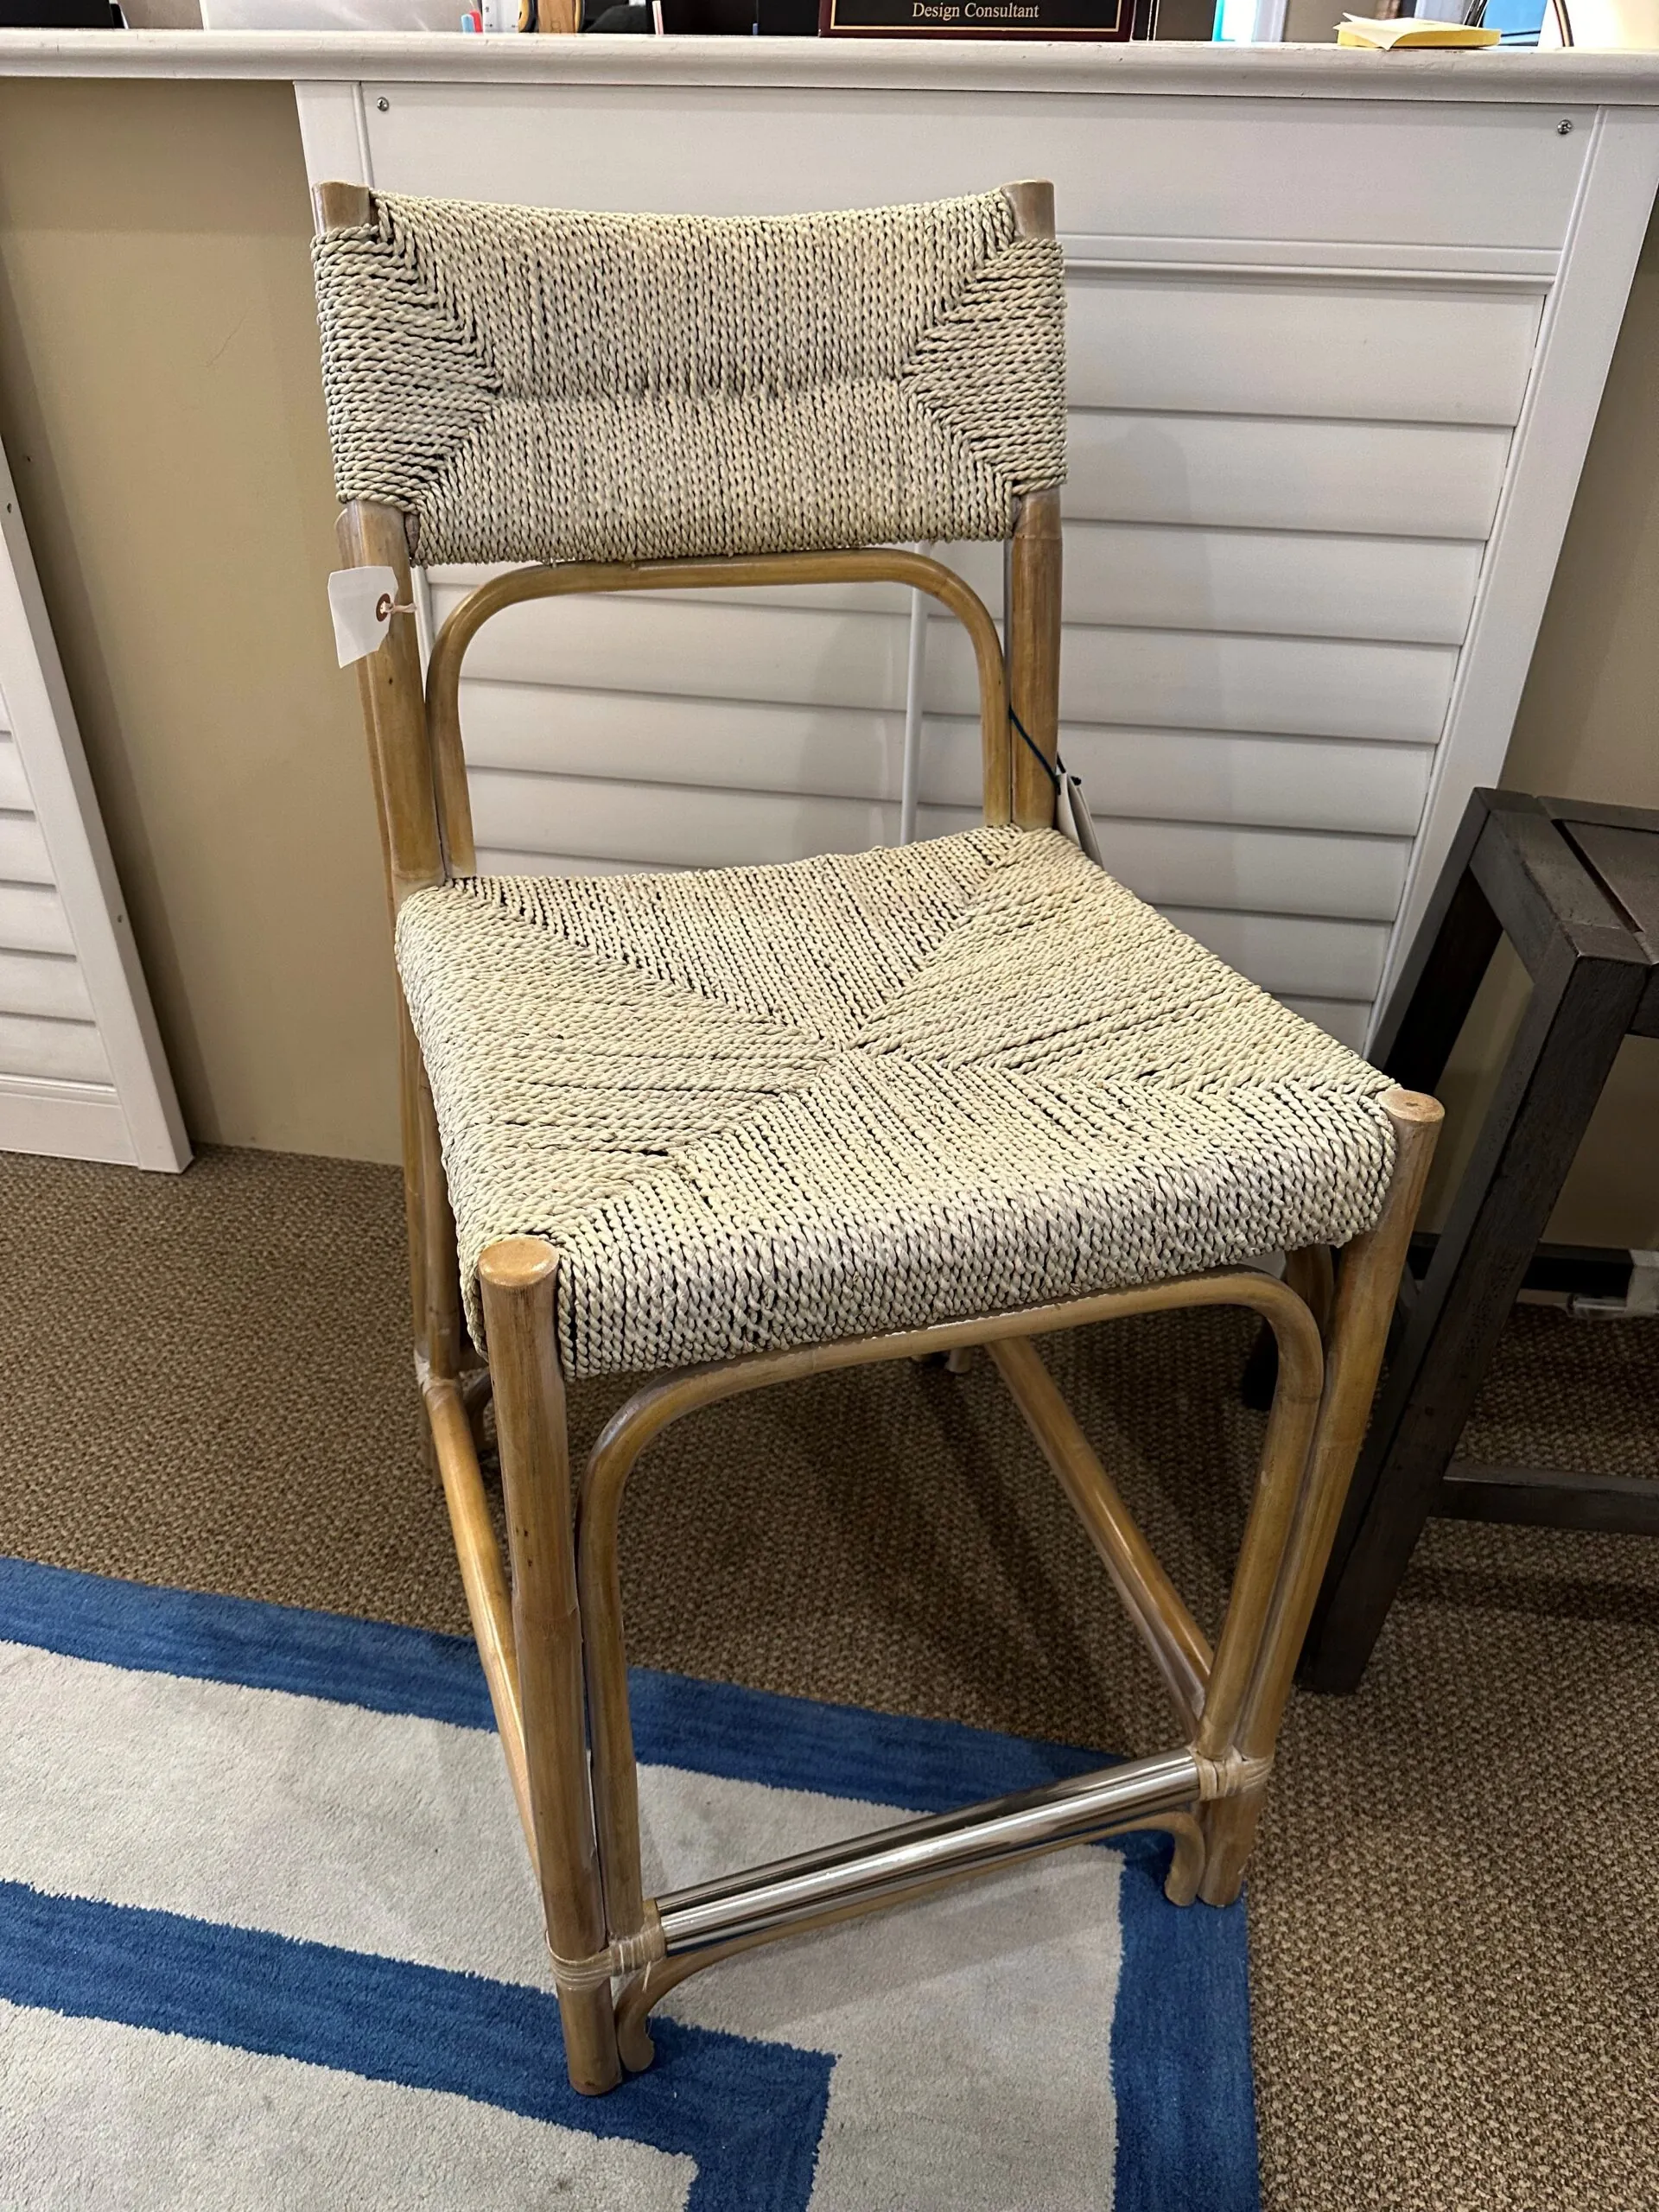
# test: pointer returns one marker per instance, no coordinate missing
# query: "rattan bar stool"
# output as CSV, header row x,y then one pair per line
x,y
720,1129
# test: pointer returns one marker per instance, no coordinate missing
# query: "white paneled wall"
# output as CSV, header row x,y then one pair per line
x,y
1332,365
81,1071
1233,472
1265,604
47,1029
1381,351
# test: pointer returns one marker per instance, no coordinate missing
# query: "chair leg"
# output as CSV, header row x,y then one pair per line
x,y
616,1776
517,1278
435,1271
1244,1727
1310,1273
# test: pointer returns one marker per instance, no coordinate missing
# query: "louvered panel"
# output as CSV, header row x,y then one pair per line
x,y
1288,583
656,823
47,1023
1408,480
1302,333
14,785
1295,872
1266,782
81,1071
1174,775
1201,776
23,857
1316,687
33,920
1278,583
835,751
1177,862
1369,353
53,1052
1279,498
682,650
1339,1018
1184,679
1294,581
1290,954
43,984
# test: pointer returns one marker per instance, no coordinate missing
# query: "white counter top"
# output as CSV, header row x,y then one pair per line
x,y
1255,72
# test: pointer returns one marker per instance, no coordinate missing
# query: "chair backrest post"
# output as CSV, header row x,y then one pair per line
x,y
338,207
394,711
1032,631
373,535
1032,592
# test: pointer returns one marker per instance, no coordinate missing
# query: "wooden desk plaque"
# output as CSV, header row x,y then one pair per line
x,y
976,19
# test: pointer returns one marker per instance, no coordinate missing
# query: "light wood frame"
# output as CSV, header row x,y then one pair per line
x,y
548,1617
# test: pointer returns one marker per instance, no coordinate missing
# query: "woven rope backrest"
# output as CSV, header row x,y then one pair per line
x,y
534,386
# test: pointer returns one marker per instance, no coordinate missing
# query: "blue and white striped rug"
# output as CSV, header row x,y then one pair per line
x,y
267,1940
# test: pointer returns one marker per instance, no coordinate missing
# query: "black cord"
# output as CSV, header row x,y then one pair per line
x,y
1067,785
1054,769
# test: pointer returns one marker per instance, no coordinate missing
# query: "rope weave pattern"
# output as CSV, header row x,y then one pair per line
x,y
762,1107
530,385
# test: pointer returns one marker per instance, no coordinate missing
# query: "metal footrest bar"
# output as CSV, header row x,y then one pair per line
x,y
885,1865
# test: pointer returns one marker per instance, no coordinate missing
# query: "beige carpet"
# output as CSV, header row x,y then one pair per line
x,y
1455,1910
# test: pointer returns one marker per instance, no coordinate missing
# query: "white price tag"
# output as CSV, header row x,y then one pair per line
x,y
1072,815
361,601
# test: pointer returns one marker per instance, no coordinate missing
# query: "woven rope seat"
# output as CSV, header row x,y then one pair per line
x,y
761,1107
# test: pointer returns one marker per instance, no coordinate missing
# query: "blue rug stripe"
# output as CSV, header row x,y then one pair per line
x,y
1185,2105
1180,2037
217,1639
925,1766
750,2113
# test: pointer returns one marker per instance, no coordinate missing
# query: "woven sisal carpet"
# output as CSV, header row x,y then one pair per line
x,y
1454,1911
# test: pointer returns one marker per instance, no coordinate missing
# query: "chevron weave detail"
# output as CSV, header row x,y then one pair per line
x,y
772,1106
531,385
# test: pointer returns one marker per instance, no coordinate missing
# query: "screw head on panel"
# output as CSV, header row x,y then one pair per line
x,y
1563,129
383,106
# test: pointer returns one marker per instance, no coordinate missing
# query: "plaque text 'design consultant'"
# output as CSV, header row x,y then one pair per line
x,y
1096,19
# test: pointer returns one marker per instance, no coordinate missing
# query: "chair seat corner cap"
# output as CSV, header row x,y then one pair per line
x,y
516,1262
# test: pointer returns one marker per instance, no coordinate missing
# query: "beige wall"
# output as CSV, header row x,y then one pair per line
x,y
161,404
160,401
1588,728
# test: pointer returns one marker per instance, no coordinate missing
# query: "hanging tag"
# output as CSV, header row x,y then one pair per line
x,y
1072,816
362,602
